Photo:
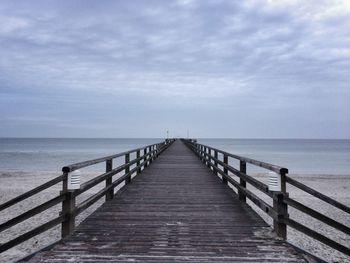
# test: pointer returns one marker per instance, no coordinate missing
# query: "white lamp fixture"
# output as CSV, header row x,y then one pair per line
x,y
274,182
74,180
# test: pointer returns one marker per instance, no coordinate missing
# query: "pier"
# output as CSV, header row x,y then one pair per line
x,y
177,205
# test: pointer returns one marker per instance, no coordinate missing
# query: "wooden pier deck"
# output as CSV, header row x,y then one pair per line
x,y
176,210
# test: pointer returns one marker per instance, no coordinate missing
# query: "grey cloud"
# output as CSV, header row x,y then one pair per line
x,y
230,54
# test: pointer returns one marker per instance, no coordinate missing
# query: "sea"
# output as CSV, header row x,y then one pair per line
x,y
300,156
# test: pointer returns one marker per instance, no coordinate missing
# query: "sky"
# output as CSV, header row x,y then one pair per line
x,y
217,69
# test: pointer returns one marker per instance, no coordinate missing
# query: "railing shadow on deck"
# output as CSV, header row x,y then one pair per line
x,y
281,199
132,166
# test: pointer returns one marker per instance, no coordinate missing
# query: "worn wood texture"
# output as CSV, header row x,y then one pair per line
x,y
317,194
177,210
32,192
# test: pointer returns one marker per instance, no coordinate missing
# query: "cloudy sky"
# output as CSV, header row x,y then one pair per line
x,y
231,69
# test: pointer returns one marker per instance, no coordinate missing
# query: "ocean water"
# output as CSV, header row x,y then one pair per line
x,y
44,154
299,156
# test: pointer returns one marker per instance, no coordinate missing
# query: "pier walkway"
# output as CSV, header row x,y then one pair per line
x,y
176,210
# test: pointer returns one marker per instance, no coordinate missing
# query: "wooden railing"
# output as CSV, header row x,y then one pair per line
x,y
281,200
143,157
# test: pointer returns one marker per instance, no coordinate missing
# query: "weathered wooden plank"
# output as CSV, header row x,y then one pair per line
x,y
31,233
317,236
32,212
318,194
91,200
311,212
32,192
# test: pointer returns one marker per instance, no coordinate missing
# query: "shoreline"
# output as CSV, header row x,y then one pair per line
x,y
13,184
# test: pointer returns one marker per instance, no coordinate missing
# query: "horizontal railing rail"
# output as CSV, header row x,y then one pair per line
x,y
144,156
317,215
280,199
32,192
318,195
73,167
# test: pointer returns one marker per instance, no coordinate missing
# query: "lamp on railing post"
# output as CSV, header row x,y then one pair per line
x,y
279,192
110,193
274,182
71,182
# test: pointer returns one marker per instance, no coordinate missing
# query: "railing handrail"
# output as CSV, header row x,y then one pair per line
x,y
75,166
281,200
317,194
269,166
32,192
67,197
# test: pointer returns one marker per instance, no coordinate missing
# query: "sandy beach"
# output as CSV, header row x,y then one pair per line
x,y
15,183
334,186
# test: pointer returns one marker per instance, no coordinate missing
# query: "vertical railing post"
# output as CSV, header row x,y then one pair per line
x,y
68,207
157,150
206,155
145,158
202,154
151,154
281,207
282,212
138,155
283,173
243,184
216,162
127,168
110,193
208,163
224,180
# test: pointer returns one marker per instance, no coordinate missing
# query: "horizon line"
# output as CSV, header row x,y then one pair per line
x,y
205,138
